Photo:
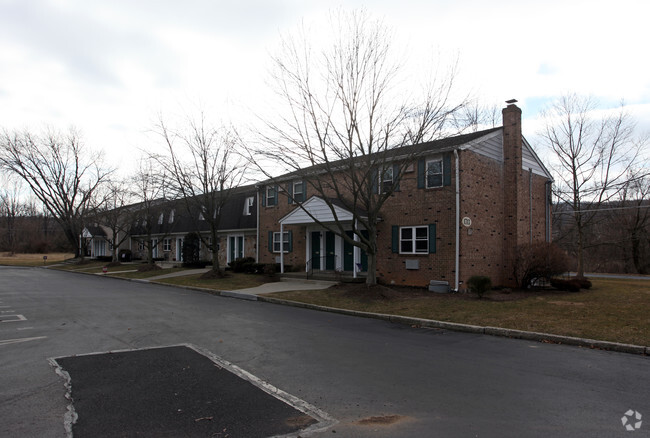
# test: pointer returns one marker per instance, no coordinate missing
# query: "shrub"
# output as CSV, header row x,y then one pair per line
x,y
104,258
125,255
479,284
190,250
572,285
541,260
243,264
583,282
198,264
270,270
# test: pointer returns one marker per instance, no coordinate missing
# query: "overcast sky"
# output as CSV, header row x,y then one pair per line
x,y
108,67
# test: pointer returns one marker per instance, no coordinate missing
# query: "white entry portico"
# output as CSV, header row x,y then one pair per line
x,y
325,250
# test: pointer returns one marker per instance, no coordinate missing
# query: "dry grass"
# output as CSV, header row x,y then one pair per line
x,y
33,259
613,310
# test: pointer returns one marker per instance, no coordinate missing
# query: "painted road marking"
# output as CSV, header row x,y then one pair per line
x,y
18,318
19,340
24,328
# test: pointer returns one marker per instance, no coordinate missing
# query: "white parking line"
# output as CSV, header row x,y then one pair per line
x,y
19,340
18,318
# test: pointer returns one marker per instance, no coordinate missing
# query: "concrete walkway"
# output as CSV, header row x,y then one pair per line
x,y
285,285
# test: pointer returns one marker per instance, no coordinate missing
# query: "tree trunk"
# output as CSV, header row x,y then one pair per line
x,y
371,277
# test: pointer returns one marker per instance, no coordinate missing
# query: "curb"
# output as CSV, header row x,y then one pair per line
x,y
466,328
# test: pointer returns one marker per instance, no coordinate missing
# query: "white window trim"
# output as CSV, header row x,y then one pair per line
x,y
426,173
276,237
167,245
271,190
300,185
414,240
383,179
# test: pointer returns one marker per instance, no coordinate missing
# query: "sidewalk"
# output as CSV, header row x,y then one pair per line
x,y
285,284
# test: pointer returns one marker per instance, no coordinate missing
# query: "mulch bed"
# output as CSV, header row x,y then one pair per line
x,y
380,292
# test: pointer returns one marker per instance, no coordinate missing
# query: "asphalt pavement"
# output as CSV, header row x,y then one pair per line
x,y
373,378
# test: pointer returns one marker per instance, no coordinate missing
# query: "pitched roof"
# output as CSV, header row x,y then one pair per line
x,y
435,146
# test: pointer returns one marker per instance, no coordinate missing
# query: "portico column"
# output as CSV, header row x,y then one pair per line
x,y
281,248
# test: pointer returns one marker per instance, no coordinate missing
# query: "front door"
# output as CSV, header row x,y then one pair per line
x,y
315,249
330,251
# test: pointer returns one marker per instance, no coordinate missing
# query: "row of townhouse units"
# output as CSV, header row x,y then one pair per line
x,y
454,208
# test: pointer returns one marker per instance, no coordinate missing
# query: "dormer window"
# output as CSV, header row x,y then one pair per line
x,y
161,218
171,216
248,205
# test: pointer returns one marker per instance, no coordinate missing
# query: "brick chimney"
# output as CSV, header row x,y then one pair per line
x,y
513,189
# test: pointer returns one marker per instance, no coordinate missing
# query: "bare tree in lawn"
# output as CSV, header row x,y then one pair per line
x,y
634,217
60,172
116,213
593,155
205,167
149,189
11,208
346,112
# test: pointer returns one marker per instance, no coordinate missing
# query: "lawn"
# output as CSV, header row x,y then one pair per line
x,y
612,310
33,259
233,281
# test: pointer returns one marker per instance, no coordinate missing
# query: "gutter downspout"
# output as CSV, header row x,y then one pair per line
x,y
530,203
548,210
457,274
257,242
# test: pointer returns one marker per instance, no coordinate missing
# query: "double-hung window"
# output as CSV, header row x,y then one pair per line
x,y
271,196
434,173
387,179
284,243
298,191
414,240
167,245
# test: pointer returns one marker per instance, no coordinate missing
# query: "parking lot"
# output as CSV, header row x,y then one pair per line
x,y
353,376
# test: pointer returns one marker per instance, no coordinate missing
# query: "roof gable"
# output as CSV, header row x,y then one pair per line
x,y
317,209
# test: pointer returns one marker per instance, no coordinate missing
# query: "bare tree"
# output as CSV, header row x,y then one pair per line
x,y
634,218
11,208
344,117
204,167
114,212
593,156
60,172
150,189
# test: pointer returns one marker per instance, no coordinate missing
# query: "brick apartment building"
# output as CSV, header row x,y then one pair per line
x,y
462,206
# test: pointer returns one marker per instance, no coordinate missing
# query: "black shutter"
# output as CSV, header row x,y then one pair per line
x,y
446,170
395,238
290,192
395,177
374,175
421,174
432,238
271,241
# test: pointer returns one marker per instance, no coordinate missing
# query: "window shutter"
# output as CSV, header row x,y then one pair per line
x,y
421,174
374,182
304,191
432,238
446,170
395,235
396,177
271,241
290,240
263,197
290,192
